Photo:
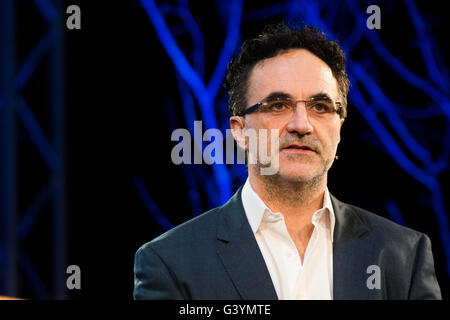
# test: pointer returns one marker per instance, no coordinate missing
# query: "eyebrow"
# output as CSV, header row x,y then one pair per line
x,y
283,95
321,96
278,95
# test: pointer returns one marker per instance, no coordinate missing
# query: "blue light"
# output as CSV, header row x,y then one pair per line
x,y
151,205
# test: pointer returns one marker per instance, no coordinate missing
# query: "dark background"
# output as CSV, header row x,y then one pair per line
x,y
119,81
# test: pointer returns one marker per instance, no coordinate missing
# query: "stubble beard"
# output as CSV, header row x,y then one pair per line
x,y
294,189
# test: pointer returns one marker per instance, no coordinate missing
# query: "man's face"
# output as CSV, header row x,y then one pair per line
x,y
300,75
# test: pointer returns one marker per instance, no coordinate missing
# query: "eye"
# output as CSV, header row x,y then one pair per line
x,y
322,107
278,106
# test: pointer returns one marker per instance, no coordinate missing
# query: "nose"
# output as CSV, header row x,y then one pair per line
x,y
299,122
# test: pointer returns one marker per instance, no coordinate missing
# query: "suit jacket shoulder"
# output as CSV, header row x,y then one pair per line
x,y
184,262
403,255
386,231
188,234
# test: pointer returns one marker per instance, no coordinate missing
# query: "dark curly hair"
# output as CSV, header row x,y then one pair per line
x,y
274,40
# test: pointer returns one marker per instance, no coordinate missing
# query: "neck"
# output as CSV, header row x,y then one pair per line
x,y
297,200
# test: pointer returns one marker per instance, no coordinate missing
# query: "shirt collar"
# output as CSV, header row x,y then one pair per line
x,y
255,208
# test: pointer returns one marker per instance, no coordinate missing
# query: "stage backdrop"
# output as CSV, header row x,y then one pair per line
x,y
87,115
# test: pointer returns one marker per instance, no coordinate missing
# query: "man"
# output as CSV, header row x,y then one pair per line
x,y
283,235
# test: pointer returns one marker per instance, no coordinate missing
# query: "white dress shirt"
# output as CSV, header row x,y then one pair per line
x,y
293,279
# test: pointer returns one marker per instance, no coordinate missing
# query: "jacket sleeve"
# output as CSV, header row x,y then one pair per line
x,y
424,285
152,278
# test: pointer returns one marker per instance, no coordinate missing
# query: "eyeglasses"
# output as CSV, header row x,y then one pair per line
x,y
315,107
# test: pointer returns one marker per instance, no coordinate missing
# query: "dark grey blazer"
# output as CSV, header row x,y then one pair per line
x,y
216,256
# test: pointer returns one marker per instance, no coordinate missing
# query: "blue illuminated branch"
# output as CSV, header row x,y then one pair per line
x,y
395,213
385,137
213,197
409,76
188,105
395,63
223,183
424,45
46,9
196,35
222,176
179,60
203,96
353,39
383,103
189,115
189,175
167,8
233,28
222,179
151,205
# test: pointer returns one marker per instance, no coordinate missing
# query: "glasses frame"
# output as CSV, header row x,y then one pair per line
x,y
255,107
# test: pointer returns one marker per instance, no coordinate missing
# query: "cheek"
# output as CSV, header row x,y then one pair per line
x,y
334,139
262,125
260,134
330,139
262,122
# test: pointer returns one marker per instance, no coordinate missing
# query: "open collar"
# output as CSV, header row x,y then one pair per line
x,y
255,208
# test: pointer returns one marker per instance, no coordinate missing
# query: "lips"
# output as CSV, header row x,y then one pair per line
x,y
299,147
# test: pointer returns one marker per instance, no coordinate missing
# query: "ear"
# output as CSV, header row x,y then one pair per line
x,y
237,125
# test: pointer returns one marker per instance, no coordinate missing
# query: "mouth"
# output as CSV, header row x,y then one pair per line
x,y
298,148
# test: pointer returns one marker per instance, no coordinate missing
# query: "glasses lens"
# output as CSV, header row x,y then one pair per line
x,y
278,106
320,106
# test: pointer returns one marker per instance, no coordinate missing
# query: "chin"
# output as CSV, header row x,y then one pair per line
x,y
303,169
299,174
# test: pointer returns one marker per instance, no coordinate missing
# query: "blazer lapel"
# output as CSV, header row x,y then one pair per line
x,y
240,254
352,253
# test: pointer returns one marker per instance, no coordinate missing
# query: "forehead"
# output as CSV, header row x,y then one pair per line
x,y
297,72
